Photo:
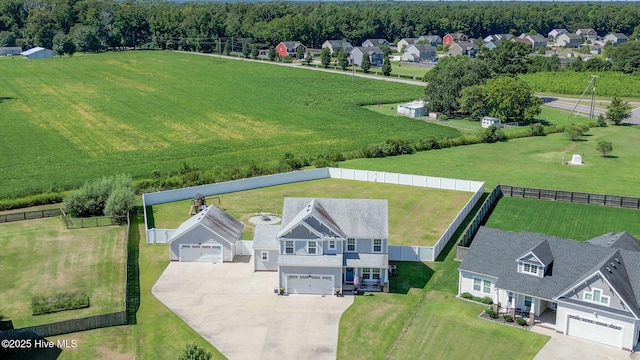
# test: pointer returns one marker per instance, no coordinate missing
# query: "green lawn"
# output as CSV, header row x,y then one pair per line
x,y
151,112
533,162
566,220
43,257
417,216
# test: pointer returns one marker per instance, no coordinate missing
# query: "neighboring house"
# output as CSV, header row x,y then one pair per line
x,y
595,50
587,34
615,38
569,40
209,236
433,40
537,40
589,290
375,42
412,109
10,50
405,42
335,45
463,48
327,245
376,56
492,44
522,40
450,39
487,121
37,53
419,53
289,48
553,34
498,37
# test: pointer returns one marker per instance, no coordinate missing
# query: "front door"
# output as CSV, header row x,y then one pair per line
x,y
348,275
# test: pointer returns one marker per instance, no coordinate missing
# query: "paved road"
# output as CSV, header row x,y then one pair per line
x,y
569,103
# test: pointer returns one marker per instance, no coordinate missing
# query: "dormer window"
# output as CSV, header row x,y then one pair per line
x,y
595,296
533,269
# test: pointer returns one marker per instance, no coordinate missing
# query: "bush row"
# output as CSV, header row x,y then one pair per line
x,y
32,200
484,300
63,301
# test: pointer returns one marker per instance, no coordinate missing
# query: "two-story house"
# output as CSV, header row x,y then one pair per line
x,y
329,245
336,45
433,40
588,34
375,54
569,40
289,48
615,38
589,290
419,53
463,48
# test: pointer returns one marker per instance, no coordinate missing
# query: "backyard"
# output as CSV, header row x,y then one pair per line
x,y
417,216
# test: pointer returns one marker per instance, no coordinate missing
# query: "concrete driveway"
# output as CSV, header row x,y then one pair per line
x,y
236,310
561,346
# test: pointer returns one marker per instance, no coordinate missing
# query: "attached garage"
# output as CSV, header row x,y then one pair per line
x,y
201,253
320,284
209,236
594,330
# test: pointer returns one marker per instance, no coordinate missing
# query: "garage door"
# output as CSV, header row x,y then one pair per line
x,y
310,284
594,330
201,253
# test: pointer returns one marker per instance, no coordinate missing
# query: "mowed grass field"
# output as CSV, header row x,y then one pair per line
x,y
417,216
43,257
561,219
533,162
67,120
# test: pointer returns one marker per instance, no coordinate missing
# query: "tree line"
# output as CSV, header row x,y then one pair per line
x,y
95,25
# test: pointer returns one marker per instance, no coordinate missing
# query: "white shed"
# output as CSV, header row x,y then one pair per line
x,y
487,121
412,109
37,53
209,236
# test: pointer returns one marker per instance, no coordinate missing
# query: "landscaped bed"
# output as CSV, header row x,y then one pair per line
x,y
417,216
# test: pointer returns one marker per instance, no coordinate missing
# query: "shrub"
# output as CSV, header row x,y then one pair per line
x,y
466,295
486,300
536,129
194,352
32,200
574,132
62,301
507,318
492,314
477,299
601,121
492,134
521,321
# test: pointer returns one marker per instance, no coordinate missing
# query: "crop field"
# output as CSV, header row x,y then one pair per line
x,y
566,220
609,83
417,216
533,162
42,257
70,119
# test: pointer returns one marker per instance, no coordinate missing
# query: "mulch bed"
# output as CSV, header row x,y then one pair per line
x,y
500,320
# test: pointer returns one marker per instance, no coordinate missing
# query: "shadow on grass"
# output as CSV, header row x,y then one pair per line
x,y
151,221
133,269
41,349
410,275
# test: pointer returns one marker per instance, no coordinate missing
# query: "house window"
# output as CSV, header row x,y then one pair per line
x,y
510,295
351,245
527,301
288,247
377,245
375,274
532,269
312,248
264,255
477,284
595,296
366,273
486,287
332,244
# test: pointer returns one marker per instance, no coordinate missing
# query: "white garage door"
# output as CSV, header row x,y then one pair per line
x,y
310,284
594,330
201,253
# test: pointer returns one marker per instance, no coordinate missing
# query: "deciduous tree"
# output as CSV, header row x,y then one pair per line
x,y
343,62
366,64
605,147
618,110
386,66
272,53
325,57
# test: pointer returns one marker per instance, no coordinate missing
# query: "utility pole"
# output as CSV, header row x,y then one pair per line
x,y
592,84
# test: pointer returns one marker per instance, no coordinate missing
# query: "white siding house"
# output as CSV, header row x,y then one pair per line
x,y
37,53
412,109
487,121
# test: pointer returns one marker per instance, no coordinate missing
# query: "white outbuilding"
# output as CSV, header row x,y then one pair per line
x,y
412,109
487,121
37,53
209,236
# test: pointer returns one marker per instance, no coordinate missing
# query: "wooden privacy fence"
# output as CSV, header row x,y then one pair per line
x,y
29,215
570,196
67,326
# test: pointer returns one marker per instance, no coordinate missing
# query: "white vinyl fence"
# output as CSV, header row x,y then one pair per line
x,y
396,253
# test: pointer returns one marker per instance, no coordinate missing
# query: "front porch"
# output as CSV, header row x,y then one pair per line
x,y
373,285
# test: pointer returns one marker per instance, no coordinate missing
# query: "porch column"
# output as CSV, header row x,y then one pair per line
x,y
532,313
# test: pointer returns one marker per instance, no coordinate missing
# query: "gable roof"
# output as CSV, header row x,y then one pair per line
x,y
410,41
584,31
571,36
493,251
369,50
264,237
216,221
542,252
422,47
559,31
618,36
537,38
457,36
352,218
430,38
339,43
291,44
622,240
33,50
376,42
